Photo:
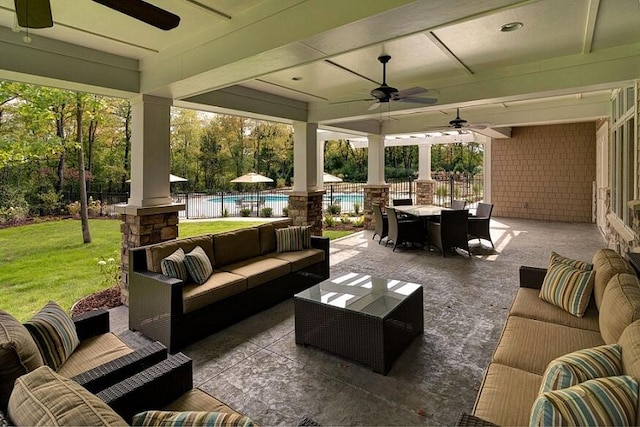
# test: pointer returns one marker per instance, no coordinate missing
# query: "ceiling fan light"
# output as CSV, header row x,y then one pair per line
x,y
511,26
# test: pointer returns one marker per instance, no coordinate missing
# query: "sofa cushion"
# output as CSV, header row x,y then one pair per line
x,y
197,400
530,345
583,265
198,265
157,252
506,395
173,266
55,334
289,239
607,263
268,235
567,287
190,418
93,352
218,286
582,365
234,246
300,259
630,344
306,236
527,303
610,401
19,354
259,270
43,398
620,306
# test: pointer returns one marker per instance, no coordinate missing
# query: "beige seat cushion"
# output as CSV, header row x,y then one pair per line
x,y
530,345
198,400
506,395
19,354
156,253
45,398
219,285
528,304
260,270
235,246
620,306
300,259
93,352
607,263
630,344
268,235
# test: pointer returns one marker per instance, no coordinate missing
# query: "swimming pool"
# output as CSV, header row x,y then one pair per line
x,y
232,199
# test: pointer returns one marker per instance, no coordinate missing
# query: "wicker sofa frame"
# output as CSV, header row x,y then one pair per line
x,y
156,301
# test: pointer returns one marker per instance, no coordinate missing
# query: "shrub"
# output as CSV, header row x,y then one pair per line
x,y
49,203
344,219
266,212
225,213
73,209
329,221
442,191
110,271
334,209
13,214
285,211
356,208
245,212
94,207
359,222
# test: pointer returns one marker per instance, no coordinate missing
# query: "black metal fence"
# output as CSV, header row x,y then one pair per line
x,y
348,196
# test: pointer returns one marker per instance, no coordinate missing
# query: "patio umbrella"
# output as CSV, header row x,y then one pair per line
x,y
172,178
330,179
251,178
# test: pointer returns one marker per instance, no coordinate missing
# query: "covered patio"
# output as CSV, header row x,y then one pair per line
x,y
256,367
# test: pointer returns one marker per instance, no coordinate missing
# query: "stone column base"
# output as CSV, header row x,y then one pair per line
x,y
425,190
144,226
374,193
305,208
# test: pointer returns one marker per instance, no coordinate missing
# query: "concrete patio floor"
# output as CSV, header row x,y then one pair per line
x,y
256,367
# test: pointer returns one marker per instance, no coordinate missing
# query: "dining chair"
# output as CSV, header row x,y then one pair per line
x,y
403,231
450,232
402,202
478,227
458,204
381,223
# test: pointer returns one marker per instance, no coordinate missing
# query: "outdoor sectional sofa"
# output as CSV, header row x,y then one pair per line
x,y
249,275
538,332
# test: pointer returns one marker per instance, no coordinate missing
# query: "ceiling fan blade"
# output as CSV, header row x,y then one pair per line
x,y
374,106
34,13
479,126
144,12
426,101
410,92
350,101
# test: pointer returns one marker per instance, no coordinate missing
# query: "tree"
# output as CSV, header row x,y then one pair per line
x,y
84,213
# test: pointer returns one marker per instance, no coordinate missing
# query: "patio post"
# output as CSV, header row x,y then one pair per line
x,y
376,190
425,185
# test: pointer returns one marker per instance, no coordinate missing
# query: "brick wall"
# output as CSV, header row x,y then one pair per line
x,y
545,172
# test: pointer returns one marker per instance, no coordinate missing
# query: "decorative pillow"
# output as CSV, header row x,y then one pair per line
x,y
306,236
173,266
198,265
582,265
609,401
46,398
19,354
568,288
289,239
3,420
190,418
582,365
54,333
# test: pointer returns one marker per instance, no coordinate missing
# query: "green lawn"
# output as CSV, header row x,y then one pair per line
x,y
48,261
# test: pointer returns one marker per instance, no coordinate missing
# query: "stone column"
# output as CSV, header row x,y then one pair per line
x,y
376,190
374,193
425,186
149,216
305,201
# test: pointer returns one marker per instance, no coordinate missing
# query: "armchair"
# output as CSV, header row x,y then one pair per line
x,y
479,224
450,232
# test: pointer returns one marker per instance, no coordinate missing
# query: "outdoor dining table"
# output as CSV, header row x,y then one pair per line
x,y
421,211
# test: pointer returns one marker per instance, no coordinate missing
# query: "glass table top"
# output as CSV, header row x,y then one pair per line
x,y
360,293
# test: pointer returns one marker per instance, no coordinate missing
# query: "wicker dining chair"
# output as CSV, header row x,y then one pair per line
x,y
478,227
381,223
403,230
457,205
402,202
450,232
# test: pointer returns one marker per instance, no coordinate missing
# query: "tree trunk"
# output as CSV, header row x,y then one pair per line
x,y
84,211
60,134
127,143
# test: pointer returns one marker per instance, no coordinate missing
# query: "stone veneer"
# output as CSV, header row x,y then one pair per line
x,y
305,208
374,193
144,226
425,190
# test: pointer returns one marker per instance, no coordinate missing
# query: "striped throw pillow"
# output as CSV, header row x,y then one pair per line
x,y
582,365
289,239
567,287
607,401
54,333
582,265
198,265
306,236
190,418
173,266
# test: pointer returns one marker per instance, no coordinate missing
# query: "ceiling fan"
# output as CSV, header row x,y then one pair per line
x,y
459,123
385,93
37,13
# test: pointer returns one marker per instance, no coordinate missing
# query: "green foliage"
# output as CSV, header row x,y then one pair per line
x,y
110,271
285,211
359,222
329,220
356,208
48,203
334,209
245,212
344,219
442,191
225,213
266,212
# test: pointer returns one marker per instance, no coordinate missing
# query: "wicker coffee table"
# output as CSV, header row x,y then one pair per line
x,y
366,319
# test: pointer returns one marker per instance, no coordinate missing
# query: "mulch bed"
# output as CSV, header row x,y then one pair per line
x,y
108,298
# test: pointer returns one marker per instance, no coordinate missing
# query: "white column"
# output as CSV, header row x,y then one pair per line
x,y
375,173
486,167
424,162
150,151
320,166
305,154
